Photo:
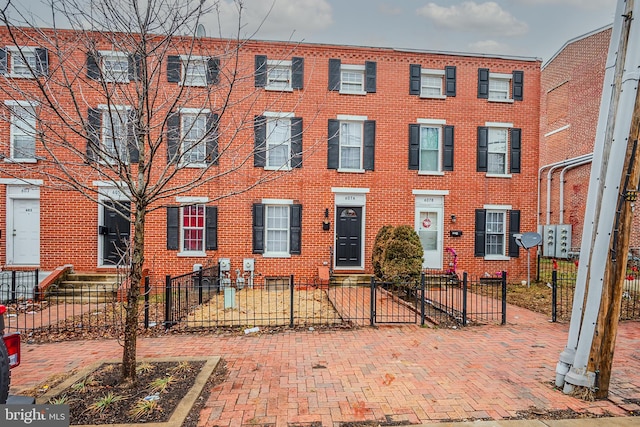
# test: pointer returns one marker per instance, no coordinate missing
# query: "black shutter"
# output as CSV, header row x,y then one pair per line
x,y
295,230
3,61
517,85
213,69
212,139
173,68
296,142
414,147
516,150
260,141
370,76
173,137
483,83
261,71
415,74
514,228
450,81
333,151
93,69
258,228
173,228
447,148
480,226
94,125
211,223
334,74
42,62
483,148
135,67
132,138
297,73
369,156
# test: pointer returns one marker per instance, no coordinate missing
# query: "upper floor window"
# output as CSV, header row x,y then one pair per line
x,y
25,62
352,79
431,146
111,136
276,228
192,137
279,75
431,83
113,66
499,149
278,141
192,70
192,228
495,227
500,87
23,130
351,144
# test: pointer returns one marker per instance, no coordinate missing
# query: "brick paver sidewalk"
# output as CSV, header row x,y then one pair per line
x,y
399,373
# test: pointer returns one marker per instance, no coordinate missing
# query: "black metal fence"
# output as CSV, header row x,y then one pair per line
x,y
18,285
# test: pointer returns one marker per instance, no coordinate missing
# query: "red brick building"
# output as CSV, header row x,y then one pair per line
x,y
347,139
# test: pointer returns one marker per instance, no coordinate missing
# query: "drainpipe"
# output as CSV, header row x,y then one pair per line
x,y
566,168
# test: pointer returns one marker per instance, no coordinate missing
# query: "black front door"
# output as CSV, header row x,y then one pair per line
x,y
348,237
115,233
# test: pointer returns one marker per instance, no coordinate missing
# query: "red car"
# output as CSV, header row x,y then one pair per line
x,y
9,356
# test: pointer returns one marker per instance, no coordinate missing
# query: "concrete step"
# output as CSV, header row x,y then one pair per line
x,y
85,288
350,279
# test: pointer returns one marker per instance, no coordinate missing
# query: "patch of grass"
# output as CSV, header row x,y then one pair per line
x,y
83,386
144,407
105,402
160,385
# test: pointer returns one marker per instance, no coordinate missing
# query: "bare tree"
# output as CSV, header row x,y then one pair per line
x,y
100,108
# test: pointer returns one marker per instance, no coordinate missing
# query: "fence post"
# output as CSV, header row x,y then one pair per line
x,y
291,285
372,303
200,298
554,295
464,298
167,302
538,258
36,286
147,290
422,307
14,297
504,298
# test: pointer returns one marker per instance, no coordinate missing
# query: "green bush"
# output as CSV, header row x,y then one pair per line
x,y
397,254
379,246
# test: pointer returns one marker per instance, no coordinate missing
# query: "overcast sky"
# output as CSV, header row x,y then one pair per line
x,y
530,28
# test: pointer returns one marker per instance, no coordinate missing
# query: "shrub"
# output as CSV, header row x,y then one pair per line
x,y
379,246
402,255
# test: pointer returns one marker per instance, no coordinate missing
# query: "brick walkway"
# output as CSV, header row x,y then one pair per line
x,y
399,373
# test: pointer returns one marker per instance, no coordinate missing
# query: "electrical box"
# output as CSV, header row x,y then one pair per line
x,y
248,264
549,240
225,264
563,240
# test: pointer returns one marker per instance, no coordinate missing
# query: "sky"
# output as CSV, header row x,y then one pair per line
x,y
528,28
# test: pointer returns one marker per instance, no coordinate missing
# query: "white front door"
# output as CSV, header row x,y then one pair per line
x,y
25,232
429,224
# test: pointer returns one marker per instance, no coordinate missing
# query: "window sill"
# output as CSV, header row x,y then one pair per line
x,y
12,160
21,76
352,170
499,175
503,101
191,254
276,255
275,168
344,92
277,89
433,96
430,173
185,84
496,258
193,165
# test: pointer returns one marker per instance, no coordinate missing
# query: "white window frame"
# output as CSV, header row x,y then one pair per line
x,y
271,144
275,82
15,56
105,131
109,75
495,210
493,128
271,206
498,94
196,202
351,87
190,63
431,74
202,143
437,124
359,122
16,129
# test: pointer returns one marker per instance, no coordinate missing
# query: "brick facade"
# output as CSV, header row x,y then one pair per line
x,y
385,192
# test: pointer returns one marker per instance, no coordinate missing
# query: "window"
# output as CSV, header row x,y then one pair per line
x,y
192,70
430,83
24,62
493,240
352,79
111,135
499,149
279,75
115,66
192,228
276,228
500,87
278,141
430,146
192,138
23,130
351,144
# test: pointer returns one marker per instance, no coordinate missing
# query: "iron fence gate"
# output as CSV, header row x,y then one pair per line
x,y
396,302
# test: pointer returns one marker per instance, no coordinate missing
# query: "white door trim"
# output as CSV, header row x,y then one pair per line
x,y
19,192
